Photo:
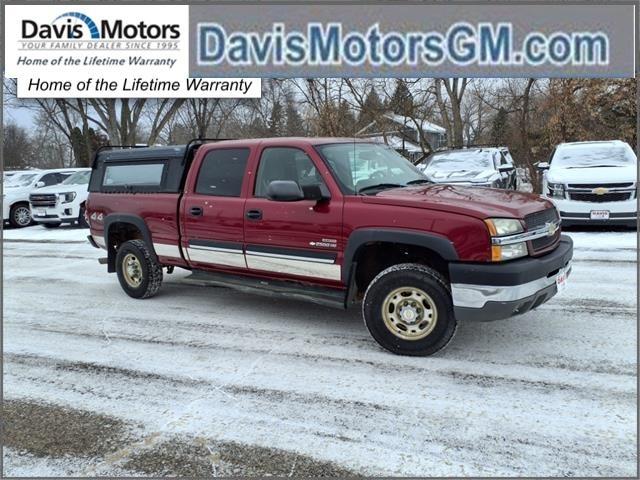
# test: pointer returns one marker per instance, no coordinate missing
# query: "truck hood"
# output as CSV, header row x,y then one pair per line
x,y
78,188
621,174
477,202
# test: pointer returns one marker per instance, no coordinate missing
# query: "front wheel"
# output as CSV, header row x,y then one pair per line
x,y
20,215
408,310
140,276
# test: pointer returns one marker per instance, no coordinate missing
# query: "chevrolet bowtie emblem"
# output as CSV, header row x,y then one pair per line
x,y
600,190
551,228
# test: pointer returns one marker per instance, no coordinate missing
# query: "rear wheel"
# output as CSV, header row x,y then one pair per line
x,y
140,276
408,310
20,215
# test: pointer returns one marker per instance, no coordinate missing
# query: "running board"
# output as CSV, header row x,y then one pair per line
x,y
330,297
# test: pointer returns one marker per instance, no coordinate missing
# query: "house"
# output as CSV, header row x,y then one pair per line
x,y
403,134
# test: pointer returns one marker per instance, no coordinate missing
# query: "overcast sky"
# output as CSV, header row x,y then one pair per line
x,y
21,116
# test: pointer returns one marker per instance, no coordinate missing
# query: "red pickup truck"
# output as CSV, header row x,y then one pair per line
x,y
335,221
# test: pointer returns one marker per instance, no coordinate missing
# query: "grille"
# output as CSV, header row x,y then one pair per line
x,y
607,197
600,185
541,218
540,244
43,199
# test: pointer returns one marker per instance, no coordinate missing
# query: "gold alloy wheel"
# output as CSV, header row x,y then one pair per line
x,y
132,270
409,313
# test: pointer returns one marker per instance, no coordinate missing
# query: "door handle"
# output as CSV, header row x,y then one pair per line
x,y
254,214
196,211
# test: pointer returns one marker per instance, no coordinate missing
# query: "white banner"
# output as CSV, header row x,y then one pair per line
x,y
117,51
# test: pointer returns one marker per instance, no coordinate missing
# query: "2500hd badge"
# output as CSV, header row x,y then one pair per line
x,y
257,215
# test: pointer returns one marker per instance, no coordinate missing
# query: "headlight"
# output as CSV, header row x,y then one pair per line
x,y
501,227
509,252
556,190
67,197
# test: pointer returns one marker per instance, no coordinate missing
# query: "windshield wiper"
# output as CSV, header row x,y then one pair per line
x,y
419,181
378,186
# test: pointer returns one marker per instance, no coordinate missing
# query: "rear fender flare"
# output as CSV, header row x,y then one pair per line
x,y
134,220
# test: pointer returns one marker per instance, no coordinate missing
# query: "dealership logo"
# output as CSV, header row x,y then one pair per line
x,y
78,26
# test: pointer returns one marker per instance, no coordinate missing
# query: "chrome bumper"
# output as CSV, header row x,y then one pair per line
x,y
477,296
492,291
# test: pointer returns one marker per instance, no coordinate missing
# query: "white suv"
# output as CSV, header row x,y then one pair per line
x,y
63,203
593,183
15,196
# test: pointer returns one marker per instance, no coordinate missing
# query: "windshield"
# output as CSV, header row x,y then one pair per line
x,y
459,161
78,178
605,155
22,180
357,166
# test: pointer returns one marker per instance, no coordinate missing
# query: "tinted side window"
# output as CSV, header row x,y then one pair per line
x,y
222,172
503,159
140,174
50,179
284,163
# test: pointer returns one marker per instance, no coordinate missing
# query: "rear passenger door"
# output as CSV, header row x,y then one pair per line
x,y
212,210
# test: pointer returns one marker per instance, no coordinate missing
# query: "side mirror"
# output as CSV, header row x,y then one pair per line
x,y
315,192
506,168
39,184
543,166
284,191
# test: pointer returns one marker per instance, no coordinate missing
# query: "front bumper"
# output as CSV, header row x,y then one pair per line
x,y
65,213
575,212
484,292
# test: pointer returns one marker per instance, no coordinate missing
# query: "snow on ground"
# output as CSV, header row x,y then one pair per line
x,y
552,392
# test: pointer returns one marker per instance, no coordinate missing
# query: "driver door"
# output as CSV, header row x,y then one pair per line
x,y
299,239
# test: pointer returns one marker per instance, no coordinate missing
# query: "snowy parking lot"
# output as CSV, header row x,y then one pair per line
x,y
203,380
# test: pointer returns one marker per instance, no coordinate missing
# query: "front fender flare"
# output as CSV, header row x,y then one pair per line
x,y
433,241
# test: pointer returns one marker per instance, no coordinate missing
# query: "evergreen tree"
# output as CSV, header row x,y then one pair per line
x,y
81,156
401,101
294,124
346,119
276,120
372,109
499,127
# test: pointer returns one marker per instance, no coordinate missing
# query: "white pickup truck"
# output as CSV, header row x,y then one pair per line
x,y
64,203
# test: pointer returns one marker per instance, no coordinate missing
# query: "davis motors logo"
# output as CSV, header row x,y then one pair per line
x,y
78,26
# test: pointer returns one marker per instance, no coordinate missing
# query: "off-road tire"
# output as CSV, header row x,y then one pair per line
x,y
430,282
151,269
13,214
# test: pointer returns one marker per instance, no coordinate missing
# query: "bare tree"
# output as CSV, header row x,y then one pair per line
x,y
455,88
